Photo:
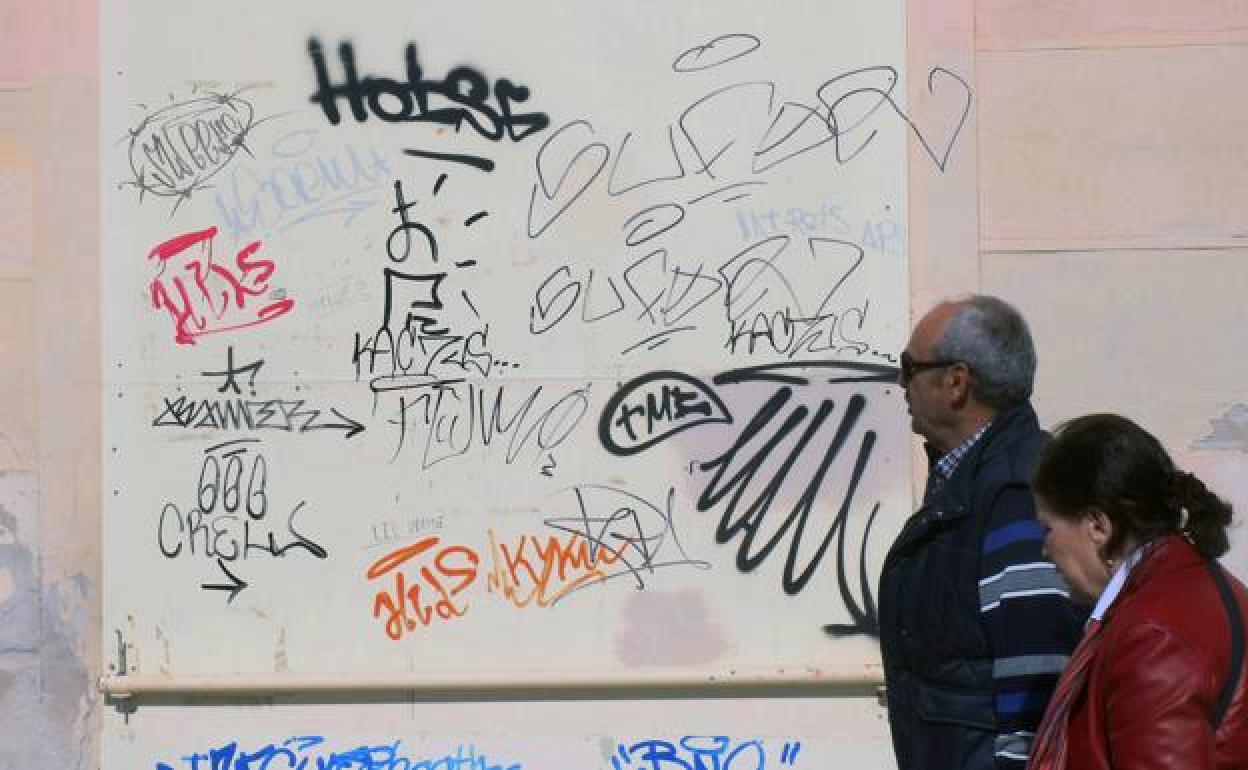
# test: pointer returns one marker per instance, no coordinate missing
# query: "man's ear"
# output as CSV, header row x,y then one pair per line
x,y
959,375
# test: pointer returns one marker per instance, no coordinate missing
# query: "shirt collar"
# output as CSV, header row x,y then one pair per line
x,y
948,463
1116,583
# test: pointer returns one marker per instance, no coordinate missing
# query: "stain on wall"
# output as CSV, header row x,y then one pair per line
x,y
44,678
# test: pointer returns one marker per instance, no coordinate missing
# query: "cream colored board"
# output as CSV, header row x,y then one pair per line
x,y
604,80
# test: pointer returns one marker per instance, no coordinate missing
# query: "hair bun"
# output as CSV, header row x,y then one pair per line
x,y
1182,489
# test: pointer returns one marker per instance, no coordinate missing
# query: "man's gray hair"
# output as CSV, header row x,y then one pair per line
x,y
994,341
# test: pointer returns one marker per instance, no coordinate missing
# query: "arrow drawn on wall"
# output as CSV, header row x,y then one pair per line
x,y
351,426
234,586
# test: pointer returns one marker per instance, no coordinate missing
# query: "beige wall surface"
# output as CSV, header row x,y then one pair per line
x,y
1113,206
1100,184
49,389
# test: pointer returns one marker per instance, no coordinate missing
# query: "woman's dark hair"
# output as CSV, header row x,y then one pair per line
x,y
1106,461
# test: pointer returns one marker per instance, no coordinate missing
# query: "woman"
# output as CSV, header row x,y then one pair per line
x,y
1158,680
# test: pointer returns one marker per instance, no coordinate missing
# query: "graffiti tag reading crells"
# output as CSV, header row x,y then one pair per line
x,y
229,520
462,97
175,150
203,296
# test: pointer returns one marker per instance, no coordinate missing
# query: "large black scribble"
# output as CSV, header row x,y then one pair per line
x,y
463,96
770,455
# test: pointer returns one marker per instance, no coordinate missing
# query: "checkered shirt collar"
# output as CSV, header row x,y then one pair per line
x,y
948,463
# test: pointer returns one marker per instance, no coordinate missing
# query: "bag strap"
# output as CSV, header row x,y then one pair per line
x,y
1237,639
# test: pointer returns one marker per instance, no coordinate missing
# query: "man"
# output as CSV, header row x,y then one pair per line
x,y
975,624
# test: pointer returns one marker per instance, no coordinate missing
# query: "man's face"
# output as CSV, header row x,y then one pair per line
x,y
927,393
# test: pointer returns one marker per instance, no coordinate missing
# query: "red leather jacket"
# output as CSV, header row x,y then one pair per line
x,y
1155,678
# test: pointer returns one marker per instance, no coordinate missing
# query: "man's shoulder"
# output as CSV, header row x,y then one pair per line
x,y
1010,452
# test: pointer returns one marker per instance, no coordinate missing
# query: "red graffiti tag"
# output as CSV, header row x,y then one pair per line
x,y
205,297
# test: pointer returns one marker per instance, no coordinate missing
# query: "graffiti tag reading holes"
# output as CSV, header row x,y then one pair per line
x,y
460,98
205,297
447,572
177,149
229,519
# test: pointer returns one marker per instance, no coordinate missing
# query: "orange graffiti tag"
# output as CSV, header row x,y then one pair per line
x,y
540,572
450,571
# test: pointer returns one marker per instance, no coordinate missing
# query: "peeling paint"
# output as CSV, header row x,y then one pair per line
x,y
19,599
1230,431
50,699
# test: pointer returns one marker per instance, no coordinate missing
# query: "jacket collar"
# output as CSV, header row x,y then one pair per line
x,y
1008,427
952,501
1166,555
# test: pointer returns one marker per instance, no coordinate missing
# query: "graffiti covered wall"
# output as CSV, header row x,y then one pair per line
x,y
482,345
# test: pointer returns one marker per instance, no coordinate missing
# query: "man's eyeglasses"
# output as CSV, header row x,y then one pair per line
x,y
910,367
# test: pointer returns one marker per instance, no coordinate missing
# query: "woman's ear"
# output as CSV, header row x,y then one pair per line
x,y
1100,530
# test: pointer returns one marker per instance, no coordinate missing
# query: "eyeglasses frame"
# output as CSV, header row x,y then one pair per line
x,y
910,367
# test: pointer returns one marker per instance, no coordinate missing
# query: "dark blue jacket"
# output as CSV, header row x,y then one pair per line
x,y
940,633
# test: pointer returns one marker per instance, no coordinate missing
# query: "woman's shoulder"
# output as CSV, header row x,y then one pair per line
x,y
1173,602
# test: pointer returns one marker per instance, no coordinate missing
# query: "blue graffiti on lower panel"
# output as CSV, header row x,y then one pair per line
x,y
701,752
310,752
